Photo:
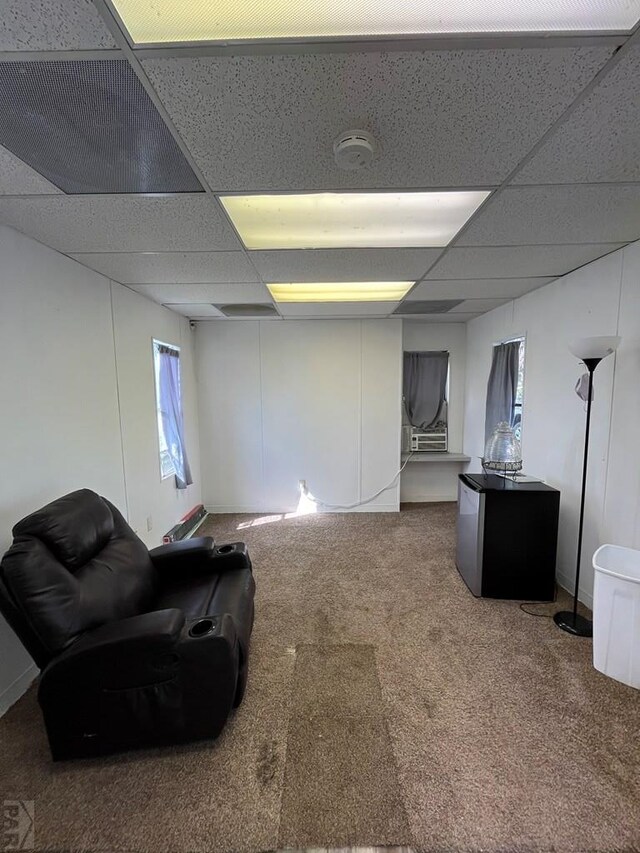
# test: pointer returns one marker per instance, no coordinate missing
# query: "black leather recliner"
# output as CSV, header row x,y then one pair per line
x,y
136,647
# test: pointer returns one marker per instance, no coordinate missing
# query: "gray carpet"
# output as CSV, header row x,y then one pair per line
x,y
386,706
340,778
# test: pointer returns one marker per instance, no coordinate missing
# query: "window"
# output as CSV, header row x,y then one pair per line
x,y
173,455
166,463
425,395
516,419
505,388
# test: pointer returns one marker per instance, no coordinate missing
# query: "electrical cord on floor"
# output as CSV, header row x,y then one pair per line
x,y
529,613
324,505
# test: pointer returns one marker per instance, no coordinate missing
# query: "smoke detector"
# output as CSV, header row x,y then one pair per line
x,y
354,149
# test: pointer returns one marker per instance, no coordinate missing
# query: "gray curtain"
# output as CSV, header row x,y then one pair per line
x,y
171,410
424,380
502,386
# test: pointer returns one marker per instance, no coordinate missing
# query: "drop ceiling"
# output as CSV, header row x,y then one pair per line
x,y
542,119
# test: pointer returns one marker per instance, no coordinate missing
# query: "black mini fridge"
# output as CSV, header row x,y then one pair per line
x,y
507,537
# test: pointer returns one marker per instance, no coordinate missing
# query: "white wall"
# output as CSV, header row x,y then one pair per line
x,y
438,481
282,401
61,402
602,298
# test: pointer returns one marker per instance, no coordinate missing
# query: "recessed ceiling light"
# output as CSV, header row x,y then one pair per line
x,y
153,21
351,220
351,291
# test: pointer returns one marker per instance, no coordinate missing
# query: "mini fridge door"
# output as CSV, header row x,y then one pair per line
x,y
470,534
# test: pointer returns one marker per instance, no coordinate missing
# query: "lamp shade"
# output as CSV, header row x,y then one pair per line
x,y
598,347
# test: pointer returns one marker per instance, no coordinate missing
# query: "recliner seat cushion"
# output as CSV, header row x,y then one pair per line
x,y
75,565
194,598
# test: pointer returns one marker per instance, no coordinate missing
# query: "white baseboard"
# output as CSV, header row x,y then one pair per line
x,y
14,691
568,584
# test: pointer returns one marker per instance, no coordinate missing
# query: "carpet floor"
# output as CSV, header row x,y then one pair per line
x,y
385,706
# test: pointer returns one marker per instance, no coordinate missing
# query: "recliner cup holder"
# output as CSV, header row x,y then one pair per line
x,y
201,628
226,549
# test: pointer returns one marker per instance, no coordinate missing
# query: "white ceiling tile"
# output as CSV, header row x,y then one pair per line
x,y
584,213
170,267
301,310
438,318
344,264
168,294
483,288
193,309
52,25
442,118
475,262
16,178
601,138
477,306
121,223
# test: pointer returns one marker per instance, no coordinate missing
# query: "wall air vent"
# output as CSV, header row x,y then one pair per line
x,y
248,311
427,306
89,127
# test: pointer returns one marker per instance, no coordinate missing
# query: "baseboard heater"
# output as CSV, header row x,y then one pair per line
x,y
186,526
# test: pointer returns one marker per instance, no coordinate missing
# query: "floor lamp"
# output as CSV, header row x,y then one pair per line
x,y
590,351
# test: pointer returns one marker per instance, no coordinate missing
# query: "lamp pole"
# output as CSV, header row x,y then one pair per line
x,y
570,620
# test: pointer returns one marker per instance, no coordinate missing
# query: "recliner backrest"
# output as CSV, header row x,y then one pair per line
x,y
74,565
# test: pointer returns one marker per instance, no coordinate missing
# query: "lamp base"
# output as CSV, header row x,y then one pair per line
x,y
577,625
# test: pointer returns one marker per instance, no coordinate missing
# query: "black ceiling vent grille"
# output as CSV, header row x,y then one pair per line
x,y
90,127
427,306
247,310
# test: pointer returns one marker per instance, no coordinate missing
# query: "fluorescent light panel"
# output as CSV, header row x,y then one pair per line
x,y
351,291
157,21
351,220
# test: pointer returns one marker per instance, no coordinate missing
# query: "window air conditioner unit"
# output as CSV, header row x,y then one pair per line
x,y
418,440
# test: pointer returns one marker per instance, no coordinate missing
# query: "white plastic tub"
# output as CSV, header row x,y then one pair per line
x,y
616,613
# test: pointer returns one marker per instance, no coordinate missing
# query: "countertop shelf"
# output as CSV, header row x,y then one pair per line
x,y
436,456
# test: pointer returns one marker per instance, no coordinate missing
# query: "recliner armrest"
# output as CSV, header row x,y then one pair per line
x,y
127,651
195,556
186,552
158,629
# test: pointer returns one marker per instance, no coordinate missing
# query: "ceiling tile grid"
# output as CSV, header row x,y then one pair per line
x,y
195,311
477,306
456,118
121,223
490,288
171,267
478,262
256,123
27,25
579,213
344,264
600,140
203,311
437,318
169,294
